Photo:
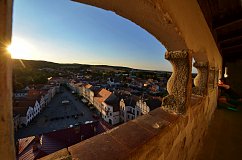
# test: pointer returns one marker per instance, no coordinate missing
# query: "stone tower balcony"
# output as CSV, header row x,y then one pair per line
x,y
175,131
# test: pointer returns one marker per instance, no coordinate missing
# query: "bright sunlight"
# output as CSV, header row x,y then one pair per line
x,y
21,49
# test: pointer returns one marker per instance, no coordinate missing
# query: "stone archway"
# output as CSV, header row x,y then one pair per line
x,y
178,25
150,16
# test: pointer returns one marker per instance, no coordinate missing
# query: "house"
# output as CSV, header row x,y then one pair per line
x,y
57,81
46,97
108,106
21,93
42,102
36,108
128,109
147,105
52,90
111,107
49,92
16,121
87,91
131,107
25,108
93,92
38,95
102,95
82,89
113,81
78,87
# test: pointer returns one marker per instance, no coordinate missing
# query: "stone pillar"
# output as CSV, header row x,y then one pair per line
x,y
201,80
6,117
179,85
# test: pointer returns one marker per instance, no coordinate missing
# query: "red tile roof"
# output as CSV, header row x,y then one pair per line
x,y
54,141
102,95
88,86
24,142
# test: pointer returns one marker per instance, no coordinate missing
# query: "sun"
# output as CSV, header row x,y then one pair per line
x,y
20,49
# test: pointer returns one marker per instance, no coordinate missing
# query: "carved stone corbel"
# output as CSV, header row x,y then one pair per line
x,y
201,80
179,85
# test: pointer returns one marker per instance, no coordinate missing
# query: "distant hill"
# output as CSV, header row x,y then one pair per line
x,y
36,64
17,63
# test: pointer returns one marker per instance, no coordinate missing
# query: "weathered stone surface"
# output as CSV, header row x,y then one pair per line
x,y
59,155
102,146
156,121
179,84
201,80
6,121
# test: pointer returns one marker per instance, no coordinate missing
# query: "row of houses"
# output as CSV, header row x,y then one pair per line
x,y
28,103
118,106
103,100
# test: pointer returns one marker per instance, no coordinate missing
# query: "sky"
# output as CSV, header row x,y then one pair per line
x,y
63,31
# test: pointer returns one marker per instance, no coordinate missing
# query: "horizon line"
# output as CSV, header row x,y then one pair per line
x,y
92,64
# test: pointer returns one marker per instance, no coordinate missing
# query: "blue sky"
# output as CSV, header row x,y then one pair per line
x,y
68,32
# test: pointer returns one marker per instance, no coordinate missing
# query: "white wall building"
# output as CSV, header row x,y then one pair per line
x,y
25,109
108,106
21,94
132,107
36,108
128,108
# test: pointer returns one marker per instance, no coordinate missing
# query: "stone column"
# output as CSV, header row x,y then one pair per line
x,y
180,83
201,80
6,117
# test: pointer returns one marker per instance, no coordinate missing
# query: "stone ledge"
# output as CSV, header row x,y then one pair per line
x,y
62,154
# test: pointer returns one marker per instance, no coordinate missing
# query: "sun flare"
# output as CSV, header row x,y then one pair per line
x,y
20,49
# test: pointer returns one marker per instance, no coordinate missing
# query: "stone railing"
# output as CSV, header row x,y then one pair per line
x,y
201,80
179,84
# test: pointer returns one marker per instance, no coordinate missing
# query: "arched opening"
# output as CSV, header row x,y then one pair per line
x,y
163,21
31,41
